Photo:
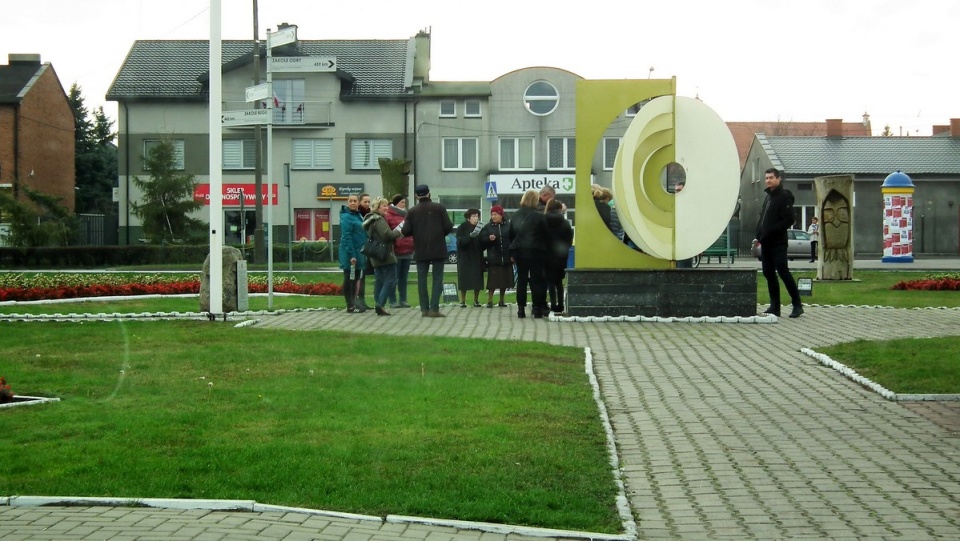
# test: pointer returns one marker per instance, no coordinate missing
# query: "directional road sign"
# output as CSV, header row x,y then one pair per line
x,y
257,93
282,37
247,117
302,64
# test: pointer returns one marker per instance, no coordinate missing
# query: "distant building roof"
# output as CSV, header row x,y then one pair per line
x,y
864,155
743,132
177,69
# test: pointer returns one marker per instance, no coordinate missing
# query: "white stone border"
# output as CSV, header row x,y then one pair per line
x,y
255,507
657,319
874,386
34,400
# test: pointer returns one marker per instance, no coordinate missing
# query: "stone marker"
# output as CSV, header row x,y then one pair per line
x,y
230,257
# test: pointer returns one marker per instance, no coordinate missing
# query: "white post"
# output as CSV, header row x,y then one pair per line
x,y
269,162
216,159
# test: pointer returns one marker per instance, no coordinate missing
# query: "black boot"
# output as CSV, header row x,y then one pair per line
x,y
522,312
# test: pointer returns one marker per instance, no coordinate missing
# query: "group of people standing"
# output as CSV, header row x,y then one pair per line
x,y
418,233
535,241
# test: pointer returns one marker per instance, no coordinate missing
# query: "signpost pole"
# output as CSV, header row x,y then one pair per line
x,y
269,178
286,182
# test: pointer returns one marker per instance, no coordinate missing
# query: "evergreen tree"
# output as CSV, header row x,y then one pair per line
x,y
95,158
40,221
167,199
886,131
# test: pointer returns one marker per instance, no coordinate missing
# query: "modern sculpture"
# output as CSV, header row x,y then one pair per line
x,y
611,278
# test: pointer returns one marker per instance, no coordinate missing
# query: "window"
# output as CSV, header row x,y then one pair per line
x,y
239,154
313,154
177,150
459,153
610,147
448,108
366,153
541,98
471,109
516,153
288,101
562,153
635,108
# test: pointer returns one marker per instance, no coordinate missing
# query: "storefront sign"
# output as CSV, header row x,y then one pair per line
x,y
517,183
233,192
339,190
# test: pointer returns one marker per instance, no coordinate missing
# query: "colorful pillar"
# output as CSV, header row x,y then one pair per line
x,y
897,191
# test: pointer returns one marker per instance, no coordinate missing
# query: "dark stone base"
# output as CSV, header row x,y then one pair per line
x,y
663,293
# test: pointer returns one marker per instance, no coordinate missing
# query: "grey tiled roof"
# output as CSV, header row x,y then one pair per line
x,y
864,155
173,70
13,79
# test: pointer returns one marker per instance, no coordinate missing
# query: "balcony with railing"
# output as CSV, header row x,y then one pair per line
x,y
307,113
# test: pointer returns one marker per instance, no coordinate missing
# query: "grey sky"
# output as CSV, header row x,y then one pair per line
x,y
746,59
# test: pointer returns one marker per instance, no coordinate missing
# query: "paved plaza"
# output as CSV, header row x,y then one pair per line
x,y
724,431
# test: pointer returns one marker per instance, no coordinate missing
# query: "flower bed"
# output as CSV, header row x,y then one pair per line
x,y
936,282
18,287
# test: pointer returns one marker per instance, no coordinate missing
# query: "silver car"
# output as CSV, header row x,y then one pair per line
x,y
798,245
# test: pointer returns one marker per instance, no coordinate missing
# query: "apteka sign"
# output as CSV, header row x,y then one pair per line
x,y
517,184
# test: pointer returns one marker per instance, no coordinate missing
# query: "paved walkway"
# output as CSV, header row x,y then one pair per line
x,y
725,431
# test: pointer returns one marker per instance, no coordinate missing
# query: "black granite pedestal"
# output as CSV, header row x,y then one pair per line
x,y
663,293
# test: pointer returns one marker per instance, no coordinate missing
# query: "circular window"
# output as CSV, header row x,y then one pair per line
x,y
541,98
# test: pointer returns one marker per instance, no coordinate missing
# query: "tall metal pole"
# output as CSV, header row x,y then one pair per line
x,y
257,143
216,162
269,178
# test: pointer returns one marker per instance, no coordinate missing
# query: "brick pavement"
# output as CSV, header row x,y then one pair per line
x,y
725,431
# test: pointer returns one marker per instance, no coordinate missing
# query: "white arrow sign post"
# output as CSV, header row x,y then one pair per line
x,y
303,64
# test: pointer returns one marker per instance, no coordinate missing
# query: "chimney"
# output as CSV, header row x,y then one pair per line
x,y
23,59
834,127
941,129
421,61
955,127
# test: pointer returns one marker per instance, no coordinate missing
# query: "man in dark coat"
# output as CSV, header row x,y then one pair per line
x,y
429,224
776,217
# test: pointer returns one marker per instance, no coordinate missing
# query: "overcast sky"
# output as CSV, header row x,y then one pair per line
x,y
800,60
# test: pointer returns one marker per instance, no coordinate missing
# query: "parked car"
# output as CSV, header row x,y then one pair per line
x,y
798,245
452,248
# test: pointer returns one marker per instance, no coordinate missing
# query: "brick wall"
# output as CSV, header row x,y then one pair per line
x,y
46,140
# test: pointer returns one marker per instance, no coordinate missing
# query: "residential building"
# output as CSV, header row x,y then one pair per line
x,y
465,139
36,130
933,163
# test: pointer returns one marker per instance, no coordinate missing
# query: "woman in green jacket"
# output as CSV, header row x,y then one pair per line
x,y
384,270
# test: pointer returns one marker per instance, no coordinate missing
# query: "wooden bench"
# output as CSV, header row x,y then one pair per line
x,y
719,249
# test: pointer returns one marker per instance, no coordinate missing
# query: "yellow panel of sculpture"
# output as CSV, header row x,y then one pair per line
x,y
667,129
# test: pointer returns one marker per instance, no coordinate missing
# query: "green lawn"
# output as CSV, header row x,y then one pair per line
x,y
465,429
908,366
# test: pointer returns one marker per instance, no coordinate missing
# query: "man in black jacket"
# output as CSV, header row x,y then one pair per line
x,y
775,218
428,223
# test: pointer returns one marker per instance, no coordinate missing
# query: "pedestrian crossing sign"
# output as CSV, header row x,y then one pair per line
x,y
491,189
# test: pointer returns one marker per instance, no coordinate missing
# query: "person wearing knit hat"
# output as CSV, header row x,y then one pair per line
x,y
495,238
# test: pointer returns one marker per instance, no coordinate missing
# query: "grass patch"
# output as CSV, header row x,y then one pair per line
x,y
869,288
910,366
468,429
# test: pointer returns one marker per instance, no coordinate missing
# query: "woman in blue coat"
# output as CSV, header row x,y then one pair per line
x,y
352,239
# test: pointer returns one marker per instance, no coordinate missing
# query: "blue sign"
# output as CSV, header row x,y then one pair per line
x,y
491,190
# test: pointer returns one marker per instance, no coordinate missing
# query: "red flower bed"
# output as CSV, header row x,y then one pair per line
x,y
20,288
930,283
